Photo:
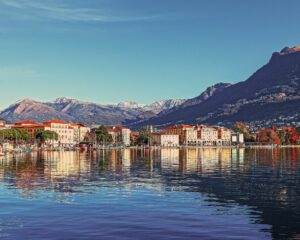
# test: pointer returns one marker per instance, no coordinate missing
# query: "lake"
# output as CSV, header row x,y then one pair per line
x,y
160,194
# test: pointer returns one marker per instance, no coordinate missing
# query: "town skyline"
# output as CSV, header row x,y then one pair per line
x,y
110,51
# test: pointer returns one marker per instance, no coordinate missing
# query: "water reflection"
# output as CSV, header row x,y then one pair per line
x,y
266,182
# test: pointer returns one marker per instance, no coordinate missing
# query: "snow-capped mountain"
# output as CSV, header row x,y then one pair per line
x,y
70,109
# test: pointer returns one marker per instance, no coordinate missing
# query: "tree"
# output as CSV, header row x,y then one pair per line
x,y
47,135
241,127
268,136
289,135
15,135
102,135
144,136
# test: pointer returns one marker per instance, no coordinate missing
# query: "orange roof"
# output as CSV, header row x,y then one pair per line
x,y
28,126
180,127
55,121
26,122
119,127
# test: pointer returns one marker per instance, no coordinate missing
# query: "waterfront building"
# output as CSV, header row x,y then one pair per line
x,y
155,139
182,131
126,136
2,122
134,136
190,136
120,135
164,139
224,136
207,135
64,130
30,127
237,139
80,132
201,135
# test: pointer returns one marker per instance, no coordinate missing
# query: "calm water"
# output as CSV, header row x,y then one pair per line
x,y
167,194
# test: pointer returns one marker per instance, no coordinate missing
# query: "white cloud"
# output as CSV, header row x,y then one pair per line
x,y
36,9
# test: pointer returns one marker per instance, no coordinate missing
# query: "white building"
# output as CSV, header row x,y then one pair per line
x,y
165,140
208,135
190,136
126,136
237,139
169,140
120,135
80,132
64,130
224,136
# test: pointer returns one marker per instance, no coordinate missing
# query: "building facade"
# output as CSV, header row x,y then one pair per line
x,y
165,140
64,130
120,135
80,132
30,127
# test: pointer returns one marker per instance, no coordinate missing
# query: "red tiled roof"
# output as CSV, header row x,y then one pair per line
x,y
26,122
180,127
55,121
119,127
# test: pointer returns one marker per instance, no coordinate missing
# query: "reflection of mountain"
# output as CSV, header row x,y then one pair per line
x,y
258,179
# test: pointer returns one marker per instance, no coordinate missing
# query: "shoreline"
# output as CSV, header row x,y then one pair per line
x,y
3,155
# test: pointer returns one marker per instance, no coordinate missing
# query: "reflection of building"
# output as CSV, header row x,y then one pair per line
x,y
192,161
126,158
65,164
209,159
170,158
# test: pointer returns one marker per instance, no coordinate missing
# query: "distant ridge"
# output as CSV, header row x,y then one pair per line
x,y
70,109
271,92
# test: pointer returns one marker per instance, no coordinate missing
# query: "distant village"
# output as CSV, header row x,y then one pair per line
x,y
57,134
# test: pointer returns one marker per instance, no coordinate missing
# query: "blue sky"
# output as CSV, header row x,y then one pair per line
x,y
108,51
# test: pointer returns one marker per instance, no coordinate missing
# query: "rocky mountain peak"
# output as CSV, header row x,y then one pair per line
x,y
61,100
288,50
129,104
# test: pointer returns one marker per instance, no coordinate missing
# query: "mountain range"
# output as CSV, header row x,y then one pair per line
x,y
69,109
272,92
